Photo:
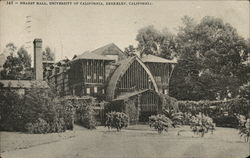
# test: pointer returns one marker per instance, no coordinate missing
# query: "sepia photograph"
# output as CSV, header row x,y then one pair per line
x,y
124,79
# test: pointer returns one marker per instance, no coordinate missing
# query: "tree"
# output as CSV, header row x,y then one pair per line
x,y
17,64
48,55
130,50
245,91
152,41
211,56
10,48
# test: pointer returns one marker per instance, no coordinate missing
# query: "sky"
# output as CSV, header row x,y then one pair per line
x,y
70,30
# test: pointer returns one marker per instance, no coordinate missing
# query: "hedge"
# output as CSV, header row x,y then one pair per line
x,y
38,111
85,114
222,112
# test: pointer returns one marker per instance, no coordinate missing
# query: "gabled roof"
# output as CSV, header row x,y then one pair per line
x,y
100,53
155,59
91,55
119,72
110,49
23,84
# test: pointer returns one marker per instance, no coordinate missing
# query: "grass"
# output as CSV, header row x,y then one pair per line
x,y
135,142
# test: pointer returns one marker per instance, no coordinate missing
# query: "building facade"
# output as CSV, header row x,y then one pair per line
x,y
110,75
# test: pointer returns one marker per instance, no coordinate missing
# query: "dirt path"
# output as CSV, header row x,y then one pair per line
x,y
101,143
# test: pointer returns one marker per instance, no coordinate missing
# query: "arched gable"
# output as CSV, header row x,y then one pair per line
x,y
122,69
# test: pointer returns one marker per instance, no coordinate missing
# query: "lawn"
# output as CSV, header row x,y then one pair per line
x,y
137,141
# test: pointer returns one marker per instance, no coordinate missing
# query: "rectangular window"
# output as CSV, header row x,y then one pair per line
x,y
100,77
103,91
88,90
88,77
94,76
95,89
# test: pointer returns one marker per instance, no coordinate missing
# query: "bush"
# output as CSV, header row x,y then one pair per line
x,y
160,123
116,120
38,111
169,103
177,118
226,121
220,111
244,127
40,126
201,124
85,113
11,111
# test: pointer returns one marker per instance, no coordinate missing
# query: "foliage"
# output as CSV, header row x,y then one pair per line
x,y
168,103
40,126
170,109
10,114
152,41
17,64
201,124
131,111
211,56
244,127
160,123
177,118
116,120
85,112
245,91
226,121
48,55
38,111
215,108
130,50
222,112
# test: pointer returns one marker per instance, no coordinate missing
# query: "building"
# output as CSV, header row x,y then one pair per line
x,y
109,74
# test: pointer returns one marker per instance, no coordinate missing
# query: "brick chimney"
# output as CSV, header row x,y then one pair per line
x,y
38,57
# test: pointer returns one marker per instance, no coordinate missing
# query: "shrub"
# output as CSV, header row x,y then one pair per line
x,y
160,123
10,111
40,126
85,113
116,120
201,124
244,127
38,111
226,121
66,111
220,111
169,103
177,118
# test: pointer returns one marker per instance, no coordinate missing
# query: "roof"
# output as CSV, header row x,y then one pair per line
x,y
102,52
155,59
109,49
90,55
130,94
120,71
23,84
